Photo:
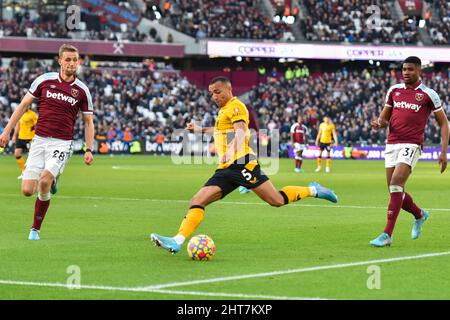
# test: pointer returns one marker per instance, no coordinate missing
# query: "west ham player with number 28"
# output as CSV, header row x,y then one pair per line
x,y
61,96
407,109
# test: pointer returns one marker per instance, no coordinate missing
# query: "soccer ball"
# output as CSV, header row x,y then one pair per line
x,y
201,247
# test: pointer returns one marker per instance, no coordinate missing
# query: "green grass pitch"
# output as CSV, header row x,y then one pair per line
x,y
100,221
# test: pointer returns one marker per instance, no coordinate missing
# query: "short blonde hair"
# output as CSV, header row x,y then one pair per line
x,y
67,48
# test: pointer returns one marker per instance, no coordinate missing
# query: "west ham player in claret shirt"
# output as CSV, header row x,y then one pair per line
x,y
407,109
299,134
60,97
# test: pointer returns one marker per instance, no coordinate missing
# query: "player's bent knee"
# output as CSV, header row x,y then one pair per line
x,y
206,195
47,176
45,182
29,186
276,202
28,191
196,200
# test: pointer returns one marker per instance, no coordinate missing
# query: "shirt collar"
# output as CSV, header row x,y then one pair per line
x,y
229,101
60,79
415,88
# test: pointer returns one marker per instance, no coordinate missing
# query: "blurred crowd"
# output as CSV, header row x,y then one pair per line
x,y
223,19
48,25
142,102
347,21
146,104
440,30
350,98
42,26
326,20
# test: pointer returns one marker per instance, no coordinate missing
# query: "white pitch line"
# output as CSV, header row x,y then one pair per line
x,y
145,290
261,203
282,272
236,295
64,285
157,288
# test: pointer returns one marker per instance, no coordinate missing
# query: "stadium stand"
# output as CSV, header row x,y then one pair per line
x,y
94,26
149,101
326,21
351,98
43,26
10,28
345,21
224,19
440,27
144,101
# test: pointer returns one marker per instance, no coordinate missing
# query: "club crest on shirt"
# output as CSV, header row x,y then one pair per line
x,y
74,92
419,96
397,93
236,111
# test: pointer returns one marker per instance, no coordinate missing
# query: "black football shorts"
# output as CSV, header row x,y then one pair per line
x,y
23,144
325,146
248,175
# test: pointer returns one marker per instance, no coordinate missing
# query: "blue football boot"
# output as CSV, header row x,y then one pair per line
x,y
324,193
54,187
34,234
165,242
383,240
243,190
418,223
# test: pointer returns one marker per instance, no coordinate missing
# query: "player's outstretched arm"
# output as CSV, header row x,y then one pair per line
x,y
89,132
17,114
16,132
192,127
441,118
383,120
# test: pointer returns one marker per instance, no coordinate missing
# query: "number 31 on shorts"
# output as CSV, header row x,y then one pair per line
x,y
409,155
407,152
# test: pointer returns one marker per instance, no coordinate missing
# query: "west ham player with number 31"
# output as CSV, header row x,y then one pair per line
x,y
61,96
407,109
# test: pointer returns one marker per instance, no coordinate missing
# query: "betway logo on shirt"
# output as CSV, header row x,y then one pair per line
x,y
62,97
407,105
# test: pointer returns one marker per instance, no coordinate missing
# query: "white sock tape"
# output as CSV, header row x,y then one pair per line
x,y
44,197
394,188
